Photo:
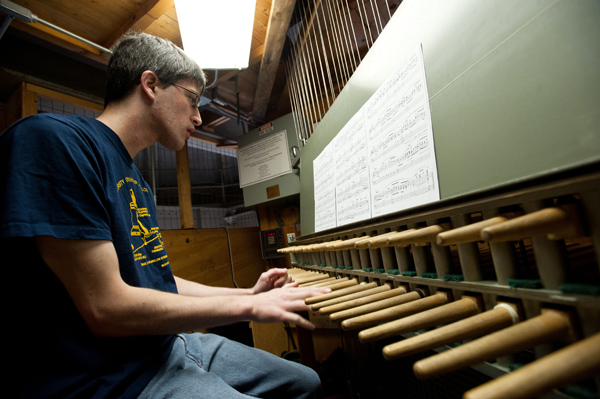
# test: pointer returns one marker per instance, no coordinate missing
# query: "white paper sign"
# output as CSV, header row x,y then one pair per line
x,y
264,159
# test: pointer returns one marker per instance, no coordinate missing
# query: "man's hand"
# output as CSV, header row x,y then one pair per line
x,y
282,305
273,278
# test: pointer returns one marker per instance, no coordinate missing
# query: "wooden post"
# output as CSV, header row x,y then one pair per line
x,y
21,103
184,188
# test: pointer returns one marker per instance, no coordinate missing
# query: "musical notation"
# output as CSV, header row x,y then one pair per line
x,y
416,152
396,110
324,192
393,84
401,134
353,210
383,159
405,188
354,188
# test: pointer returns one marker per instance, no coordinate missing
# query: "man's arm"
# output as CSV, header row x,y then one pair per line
x,y
273,278
89,270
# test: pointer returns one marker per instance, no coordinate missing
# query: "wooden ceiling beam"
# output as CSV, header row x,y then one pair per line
x,y
211,140
144,16
256,55
279,22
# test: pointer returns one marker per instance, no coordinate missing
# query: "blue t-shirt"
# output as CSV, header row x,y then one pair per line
x,y
71,177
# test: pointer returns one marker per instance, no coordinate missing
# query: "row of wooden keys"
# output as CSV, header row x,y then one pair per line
x,y
546,228
381,311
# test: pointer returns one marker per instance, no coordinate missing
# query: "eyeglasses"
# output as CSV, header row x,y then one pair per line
x,y
194,100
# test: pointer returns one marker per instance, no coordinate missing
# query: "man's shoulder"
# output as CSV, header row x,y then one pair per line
x,y
47,123
48,128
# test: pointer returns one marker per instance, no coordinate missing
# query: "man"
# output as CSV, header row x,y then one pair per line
x,y
94,307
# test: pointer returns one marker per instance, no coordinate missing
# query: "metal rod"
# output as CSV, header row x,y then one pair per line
x,y
5,24
294,97
334,32
365,25
301,91
376,16
322,71
291,92
344,41
344,15
388,9
353,31
66,32
316,57
309,76
347,41
300,74
333,95
333,63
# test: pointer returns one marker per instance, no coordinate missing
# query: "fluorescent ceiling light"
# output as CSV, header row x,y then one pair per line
x,y
217,34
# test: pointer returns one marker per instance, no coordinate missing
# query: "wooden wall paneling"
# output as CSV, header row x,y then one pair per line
x,y
246,254
199,255
202,255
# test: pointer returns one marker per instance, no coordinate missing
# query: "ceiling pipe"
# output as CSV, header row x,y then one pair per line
x,y
16,11
5,24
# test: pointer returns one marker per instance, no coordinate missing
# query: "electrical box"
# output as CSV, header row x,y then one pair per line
x,y
270,241
268,162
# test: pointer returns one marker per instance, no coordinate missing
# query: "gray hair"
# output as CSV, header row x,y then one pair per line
x,y
137,52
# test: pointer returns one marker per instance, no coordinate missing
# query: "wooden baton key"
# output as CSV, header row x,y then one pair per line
x,y
400,296
338,296
346,244
318,283
340,293
464,307
351,297
503,315
366,243
468,233
426,235
337,284
313,278
396,312
373,295
568,365
326,283
550,325
555,223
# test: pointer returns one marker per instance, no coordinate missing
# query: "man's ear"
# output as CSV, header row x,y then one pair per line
x,y
148,84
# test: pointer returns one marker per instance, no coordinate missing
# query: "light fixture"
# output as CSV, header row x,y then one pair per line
x,y
217,34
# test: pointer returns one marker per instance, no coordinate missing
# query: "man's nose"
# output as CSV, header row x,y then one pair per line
x,y
196,119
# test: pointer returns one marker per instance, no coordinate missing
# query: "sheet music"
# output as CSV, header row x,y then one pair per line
x,y
353,199
403,171
324,179
384,157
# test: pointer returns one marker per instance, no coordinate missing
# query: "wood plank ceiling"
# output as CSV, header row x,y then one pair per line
x,y
254,95
103,22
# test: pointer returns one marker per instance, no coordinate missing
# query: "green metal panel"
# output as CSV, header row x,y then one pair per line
x,y
514,89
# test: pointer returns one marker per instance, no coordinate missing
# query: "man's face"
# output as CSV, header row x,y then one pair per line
x,y
178,106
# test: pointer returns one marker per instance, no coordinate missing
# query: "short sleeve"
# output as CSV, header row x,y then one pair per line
x,y
51,182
